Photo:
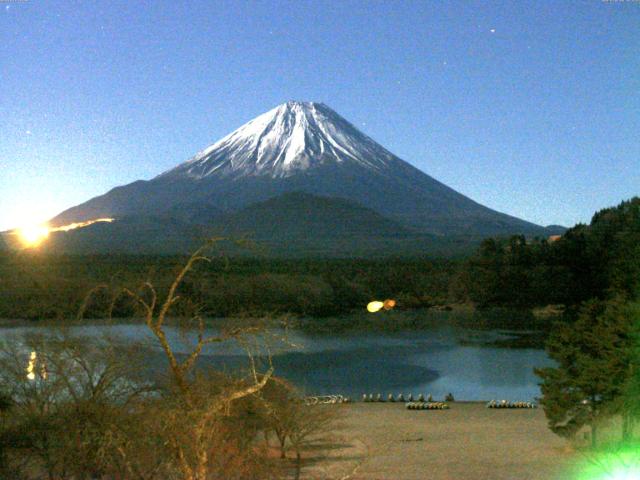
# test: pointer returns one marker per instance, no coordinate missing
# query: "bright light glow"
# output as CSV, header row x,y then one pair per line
x,y
33,235
389,304
31,367
617,463
622,472
31,375
73,226
375,306
626,474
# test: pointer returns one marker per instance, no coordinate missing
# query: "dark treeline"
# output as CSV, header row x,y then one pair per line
x,y
50,287
599,260
595,269
588,261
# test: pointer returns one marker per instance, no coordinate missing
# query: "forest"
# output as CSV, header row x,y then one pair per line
x,y
588,261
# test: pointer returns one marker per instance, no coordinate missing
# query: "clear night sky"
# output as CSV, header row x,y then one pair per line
x,y
531,108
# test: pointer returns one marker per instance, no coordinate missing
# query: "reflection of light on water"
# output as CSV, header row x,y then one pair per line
x,y
469,372
31,367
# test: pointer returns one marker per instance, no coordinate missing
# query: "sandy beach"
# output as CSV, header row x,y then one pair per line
x,y
385,441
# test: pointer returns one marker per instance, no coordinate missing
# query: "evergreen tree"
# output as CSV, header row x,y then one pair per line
x,y
589,261
593,357
629,403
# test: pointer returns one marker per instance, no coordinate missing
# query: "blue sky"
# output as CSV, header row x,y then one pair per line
x,y
531,108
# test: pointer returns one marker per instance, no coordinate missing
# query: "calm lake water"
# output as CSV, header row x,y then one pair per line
x,y
436,361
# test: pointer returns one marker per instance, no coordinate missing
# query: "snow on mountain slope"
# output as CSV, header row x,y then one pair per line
x,y
293,137
302,147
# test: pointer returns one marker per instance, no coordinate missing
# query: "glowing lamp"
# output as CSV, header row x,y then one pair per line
x,y
375,306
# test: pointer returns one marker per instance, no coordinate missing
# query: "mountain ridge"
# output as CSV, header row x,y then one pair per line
x,y
295,224
301,147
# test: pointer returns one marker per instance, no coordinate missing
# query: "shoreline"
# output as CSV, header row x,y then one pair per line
x,y
525,329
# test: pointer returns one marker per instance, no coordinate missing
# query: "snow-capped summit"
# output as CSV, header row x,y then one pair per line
x,y
300,147
292,137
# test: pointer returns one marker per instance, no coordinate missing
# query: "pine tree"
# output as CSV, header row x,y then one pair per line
x,y
629,404
593,357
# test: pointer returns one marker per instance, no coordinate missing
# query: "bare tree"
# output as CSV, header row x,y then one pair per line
x,y
296,425
66,398
197,413
84,409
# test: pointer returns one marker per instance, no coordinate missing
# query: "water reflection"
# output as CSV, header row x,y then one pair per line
x,y
434,361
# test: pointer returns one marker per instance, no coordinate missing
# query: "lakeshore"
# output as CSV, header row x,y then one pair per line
x,y
385,441
443,359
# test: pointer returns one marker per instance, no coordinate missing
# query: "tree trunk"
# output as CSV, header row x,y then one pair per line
x,y
283,450
594,436
298,465
625,427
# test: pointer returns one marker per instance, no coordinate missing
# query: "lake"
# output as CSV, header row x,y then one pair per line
x,y
436,361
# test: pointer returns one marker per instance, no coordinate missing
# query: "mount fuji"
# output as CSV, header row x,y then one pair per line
x,y
308,150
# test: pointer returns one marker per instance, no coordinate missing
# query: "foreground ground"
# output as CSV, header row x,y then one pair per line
x,y
469,441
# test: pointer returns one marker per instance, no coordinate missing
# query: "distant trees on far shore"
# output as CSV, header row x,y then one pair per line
x,y
589,261
44,287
